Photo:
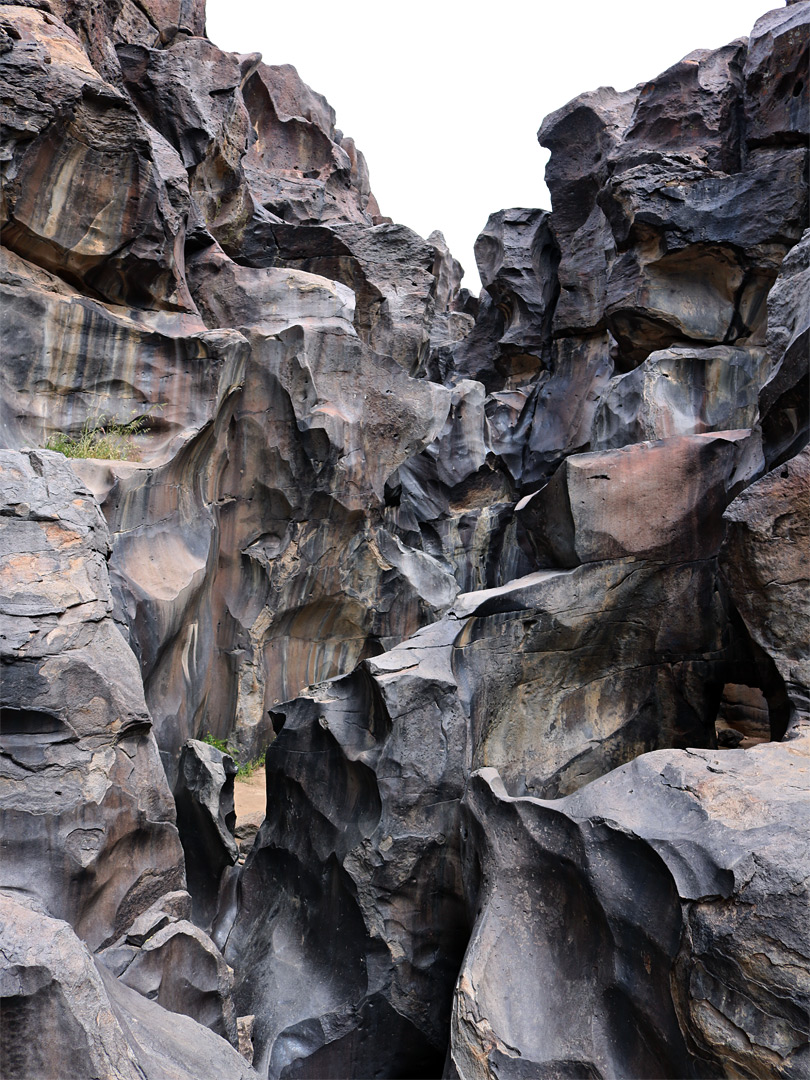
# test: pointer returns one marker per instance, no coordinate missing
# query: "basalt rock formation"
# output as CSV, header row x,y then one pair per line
x,y
510,592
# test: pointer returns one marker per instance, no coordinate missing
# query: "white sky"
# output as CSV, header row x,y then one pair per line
x,y
445,98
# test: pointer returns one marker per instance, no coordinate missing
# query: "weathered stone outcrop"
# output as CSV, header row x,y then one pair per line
x,y
206,820
88,820
366,776
122,240
62,1015
702,973
510,591
766,566
661,500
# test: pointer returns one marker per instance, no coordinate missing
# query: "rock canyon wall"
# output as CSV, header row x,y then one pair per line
x,y
511,592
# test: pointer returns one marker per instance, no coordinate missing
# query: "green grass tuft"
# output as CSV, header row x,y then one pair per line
x,y
101,438
218,744
244,771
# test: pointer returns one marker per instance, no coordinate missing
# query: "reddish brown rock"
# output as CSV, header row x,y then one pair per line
x,y
300,167
661,500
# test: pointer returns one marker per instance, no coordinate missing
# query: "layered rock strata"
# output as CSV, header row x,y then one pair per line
x,y
512,591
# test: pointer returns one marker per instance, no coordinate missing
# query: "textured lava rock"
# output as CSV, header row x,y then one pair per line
x,y
191,93
785,396
776,86
88,820
68,128
206,820
86,1022
301,167
703,973
682,391
765,562
333,442
366,775
659,500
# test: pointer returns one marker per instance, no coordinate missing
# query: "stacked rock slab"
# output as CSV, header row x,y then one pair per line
x,y
523,551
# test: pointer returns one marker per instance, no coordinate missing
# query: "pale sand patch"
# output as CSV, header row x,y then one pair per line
x,y
249,794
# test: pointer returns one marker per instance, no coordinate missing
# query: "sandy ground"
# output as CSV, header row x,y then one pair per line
x,y
249,794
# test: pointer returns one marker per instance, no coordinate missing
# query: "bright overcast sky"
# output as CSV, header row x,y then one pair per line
x,y
444,99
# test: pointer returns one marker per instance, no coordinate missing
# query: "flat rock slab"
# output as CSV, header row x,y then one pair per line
x,y
661,500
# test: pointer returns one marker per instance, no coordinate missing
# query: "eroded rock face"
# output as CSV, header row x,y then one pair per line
x,y
661,500
485,534
206,820
76,736
87,1023
123,239
765,562
89,835
366,776
679,974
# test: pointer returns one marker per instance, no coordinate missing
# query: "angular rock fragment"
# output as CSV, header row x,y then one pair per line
x,y
181,969
49,984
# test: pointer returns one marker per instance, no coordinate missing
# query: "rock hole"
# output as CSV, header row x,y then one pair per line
x,y
743,719
797,89
32,722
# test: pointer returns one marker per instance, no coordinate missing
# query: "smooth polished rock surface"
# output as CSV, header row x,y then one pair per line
x,y
366,774
206,820
660,500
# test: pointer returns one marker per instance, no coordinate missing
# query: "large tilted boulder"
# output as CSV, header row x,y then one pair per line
x,y
662,500
651,924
